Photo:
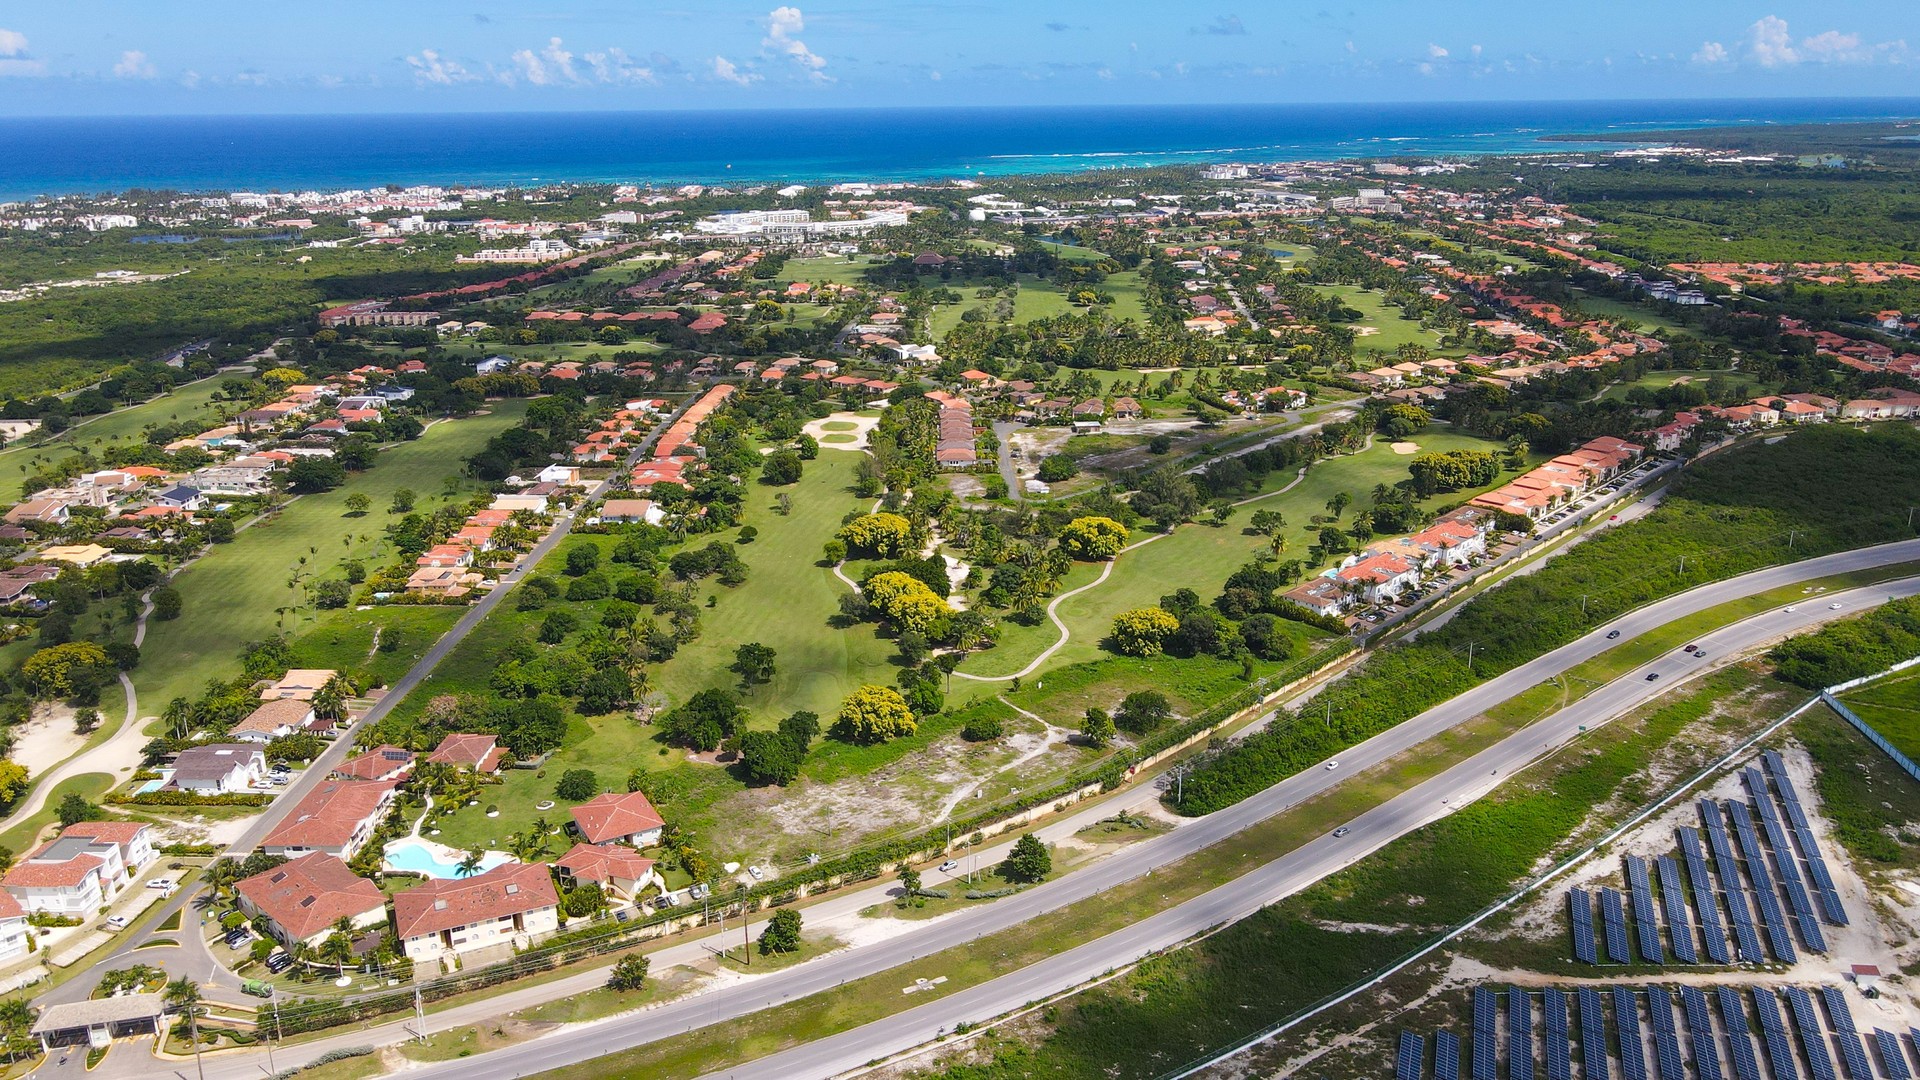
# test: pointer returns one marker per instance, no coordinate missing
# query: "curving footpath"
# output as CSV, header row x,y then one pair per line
x,y
1229,902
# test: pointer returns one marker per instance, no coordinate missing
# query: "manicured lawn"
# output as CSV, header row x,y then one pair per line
x,y
1892,706
1647,316
191,402
1040,299
827,268
239,592
1393,331
1073,252
89,786
1202,556
1656,380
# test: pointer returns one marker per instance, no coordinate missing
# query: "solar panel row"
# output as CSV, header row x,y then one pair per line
x,y
1706,1052
1646,928
1409,1063
1813,1041
1893,1057
1712,930
1853,1053
1519,1035
1733,1017
1485,1003
1764,894
1593,1038
1773,1028
1626,1019
1446,1056
1728,871
1666,1042
1580,909
1674,897
1559,1046
1614,926
1834,911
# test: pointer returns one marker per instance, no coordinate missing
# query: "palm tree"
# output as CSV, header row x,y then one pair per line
x,y
337,949
469,863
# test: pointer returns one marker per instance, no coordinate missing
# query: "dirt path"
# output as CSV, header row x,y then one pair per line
x,y
1105,571
1053,736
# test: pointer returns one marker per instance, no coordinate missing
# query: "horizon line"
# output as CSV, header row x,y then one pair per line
x,y
1079,106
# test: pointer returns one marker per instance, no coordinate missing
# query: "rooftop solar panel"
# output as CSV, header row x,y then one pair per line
x,y
1595,1065
1519,1035
1626,1020
1813,1039
1558,1049
1666,1040
1446,1056
1674,898
1893,1057
1706,1049
1733,1018
1410,1061
1773,1029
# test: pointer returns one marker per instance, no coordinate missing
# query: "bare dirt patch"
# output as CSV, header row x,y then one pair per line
x,y
46,738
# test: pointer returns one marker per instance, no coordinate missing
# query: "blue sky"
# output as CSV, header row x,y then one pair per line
x,y
66,57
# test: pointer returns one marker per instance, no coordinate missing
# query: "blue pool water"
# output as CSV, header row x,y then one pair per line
x,y
412,855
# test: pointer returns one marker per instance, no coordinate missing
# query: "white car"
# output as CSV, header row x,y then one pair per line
x,y
949,866
1789,609
1836,605
164,884
117,922
755,871
1332,765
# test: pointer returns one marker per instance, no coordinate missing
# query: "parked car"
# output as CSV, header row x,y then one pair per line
x,y
117,922
237,938
164,884
279,962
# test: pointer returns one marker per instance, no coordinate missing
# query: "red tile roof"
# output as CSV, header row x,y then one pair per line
x,y
310,893
53,875
477,752
612,816
329,814
591,862
507,889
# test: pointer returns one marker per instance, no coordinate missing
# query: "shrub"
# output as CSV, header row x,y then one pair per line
x,y
577,785
1143,631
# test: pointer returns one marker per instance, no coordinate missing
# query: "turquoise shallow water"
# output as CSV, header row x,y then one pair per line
x,y
202,153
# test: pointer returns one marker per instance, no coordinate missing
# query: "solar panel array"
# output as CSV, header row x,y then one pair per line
x,y
1614,923
1774,1029
1409,1063
1485,1054
1626,1020
1645,926
1817,1029
1706,1052
1712,930
1733,1017
1593,1037
1853,1053
1784,862
1446,1056
1893,1059
1813,1040
1764,893
1580,907
1519,1035
1674,898
1830,904
1559,1048
1744,933
1666,1037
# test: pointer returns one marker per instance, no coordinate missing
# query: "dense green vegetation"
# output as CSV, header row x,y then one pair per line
x,y
1852,648
1821,490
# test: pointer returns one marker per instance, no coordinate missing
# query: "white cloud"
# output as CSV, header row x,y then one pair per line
x,y
1770,43
432,68
1834,47
1436,52
251,78
12,42
1105,74
1475,50
782,24
1352,48
560,60
551,66
935,76
1424,68
133,65
615,66
1711,53
190,80
13,61
727,70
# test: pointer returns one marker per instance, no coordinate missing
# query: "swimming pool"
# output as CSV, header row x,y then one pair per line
x,y
435,860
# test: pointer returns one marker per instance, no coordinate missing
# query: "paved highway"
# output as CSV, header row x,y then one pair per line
x,y
1232,901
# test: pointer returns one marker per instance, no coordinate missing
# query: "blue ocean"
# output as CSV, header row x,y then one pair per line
x,y
297,153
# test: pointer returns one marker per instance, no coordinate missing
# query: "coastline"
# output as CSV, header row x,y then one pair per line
x,y
87,155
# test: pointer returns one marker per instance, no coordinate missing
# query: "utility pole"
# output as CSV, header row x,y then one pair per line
x,y
746,944
1329,714
193,1026
1683,564
275,1002
419,1015
1470,646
